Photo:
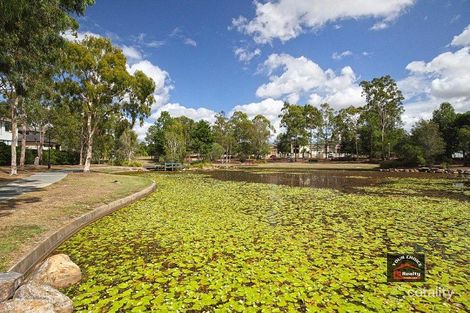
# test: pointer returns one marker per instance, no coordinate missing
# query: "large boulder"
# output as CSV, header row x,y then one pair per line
x,y
35,291
58,271
26,306
9,282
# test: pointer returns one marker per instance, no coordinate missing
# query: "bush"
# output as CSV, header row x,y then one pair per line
x,y
57,157
133,163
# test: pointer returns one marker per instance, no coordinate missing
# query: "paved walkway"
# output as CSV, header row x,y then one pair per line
x,y
18,187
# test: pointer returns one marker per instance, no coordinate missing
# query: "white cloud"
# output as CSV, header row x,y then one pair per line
x,y
448,74
301,77
78,36
245,55
446,78
190,42
141,131
160,77
176,110
287,19
270,108
463,39
132,54
340,55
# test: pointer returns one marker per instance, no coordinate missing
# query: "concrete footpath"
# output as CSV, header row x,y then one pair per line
x,y
34,182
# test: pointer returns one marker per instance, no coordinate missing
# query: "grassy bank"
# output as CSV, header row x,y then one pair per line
x,y
201,245
31,217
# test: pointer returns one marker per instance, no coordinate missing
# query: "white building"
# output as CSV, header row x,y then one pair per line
x,y
5,131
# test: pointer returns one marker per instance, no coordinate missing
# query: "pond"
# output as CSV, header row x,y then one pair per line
x,y
204,243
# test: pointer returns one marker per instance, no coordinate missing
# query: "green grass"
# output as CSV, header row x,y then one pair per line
x,y
202,245
17,236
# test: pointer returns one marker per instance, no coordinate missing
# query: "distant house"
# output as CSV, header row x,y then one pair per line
x,y
316,151
5,131
33,140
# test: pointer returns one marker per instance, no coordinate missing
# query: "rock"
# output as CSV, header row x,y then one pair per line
x,y
58,271
35,291
9,282
26,306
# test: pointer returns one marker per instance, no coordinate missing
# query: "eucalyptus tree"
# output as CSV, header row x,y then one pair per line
x,y
242,132
224,134
260,134
96,76
348,123
30,41
293,120
384,107
174,141
445,117
327,129
313,121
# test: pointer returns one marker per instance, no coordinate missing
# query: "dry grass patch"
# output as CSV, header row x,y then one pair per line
x,y
33,216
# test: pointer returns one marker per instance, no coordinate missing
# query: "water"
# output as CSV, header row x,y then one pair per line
x,y
338,179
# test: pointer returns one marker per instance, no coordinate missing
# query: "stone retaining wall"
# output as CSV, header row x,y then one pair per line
x,y
45,248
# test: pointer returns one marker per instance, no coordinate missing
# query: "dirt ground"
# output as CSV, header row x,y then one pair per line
x,y
33,216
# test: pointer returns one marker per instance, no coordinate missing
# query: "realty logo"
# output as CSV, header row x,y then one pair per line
x,y
405,267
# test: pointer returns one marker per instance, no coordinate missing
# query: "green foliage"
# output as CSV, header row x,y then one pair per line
x,y
426,136
382,112
201,138
294,122
198,244
215,152
445,118
57,157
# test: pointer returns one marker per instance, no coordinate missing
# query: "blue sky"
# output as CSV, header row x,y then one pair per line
x,y
208,56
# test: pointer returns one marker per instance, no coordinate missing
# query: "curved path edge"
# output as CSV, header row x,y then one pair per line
x,y
46,247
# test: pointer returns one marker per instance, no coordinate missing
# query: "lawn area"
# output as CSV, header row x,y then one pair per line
x,y
31,217
199,244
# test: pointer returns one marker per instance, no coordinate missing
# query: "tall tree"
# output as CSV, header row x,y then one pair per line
x,y
96,75
242,130
463,135
202,138
445,117
223,134
293,120
327,126
174,141
30,42
426,135
261,132
348,122
313,121
383,108
155,136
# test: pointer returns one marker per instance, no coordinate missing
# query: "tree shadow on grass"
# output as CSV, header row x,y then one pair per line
x,y
8,207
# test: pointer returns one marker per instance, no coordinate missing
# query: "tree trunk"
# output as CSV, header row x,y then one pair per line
x,y
383,142
41,142
357,149
14,139
89,150
80,162
23,144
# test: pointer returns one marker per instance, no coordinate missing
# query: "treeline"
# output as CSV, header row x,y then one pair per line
x,y
375,130
174,139
80,93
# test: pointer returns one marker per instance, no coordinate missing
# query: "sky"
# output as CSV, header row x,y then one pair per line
x,y
207,56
